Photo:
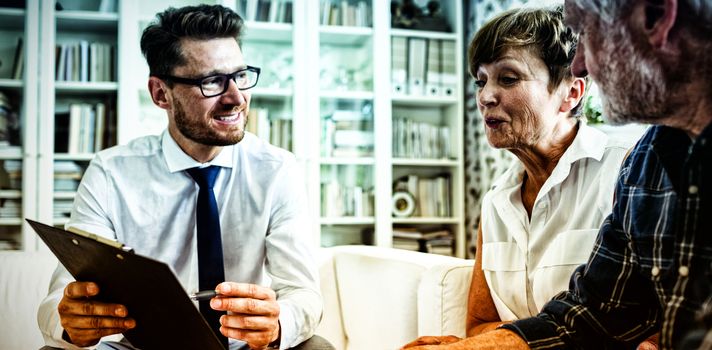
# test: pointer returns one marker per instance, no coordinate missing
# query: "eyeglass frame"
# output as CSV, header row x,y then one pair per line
x,y
199,81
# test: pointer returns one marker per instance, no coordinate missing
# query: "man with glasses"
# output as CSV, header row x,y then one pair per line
x,y
223,208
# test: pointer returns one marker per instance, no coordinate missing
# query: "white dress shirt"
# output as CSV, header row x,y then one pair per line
x,y
528,261
140,195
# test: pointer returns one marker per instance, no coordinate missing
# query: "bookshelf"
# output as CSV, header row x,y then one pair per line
x,y
19,45
326,94
78,98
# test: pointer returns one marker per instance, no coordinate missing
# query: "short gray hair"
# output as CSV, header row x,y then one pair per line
x,y
699,11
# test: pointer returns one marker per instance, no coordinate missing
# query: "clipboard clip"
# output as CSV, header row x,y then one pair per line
x,y
101,239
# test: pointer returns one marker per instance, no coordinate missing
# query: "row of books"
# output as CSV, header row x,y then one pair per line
x,y
347,133
275,11
412,139
338,200
423,67
10,208
10,174
84,61
277,131
84,128
431,195
439,241
343,13
67,175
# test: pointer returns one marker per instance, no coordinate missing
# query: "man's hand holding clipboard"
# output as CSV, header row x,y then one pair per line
x,y
86,321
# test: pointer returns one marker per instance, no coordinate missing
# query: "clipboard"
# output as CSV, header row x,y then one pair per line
x,y
165,316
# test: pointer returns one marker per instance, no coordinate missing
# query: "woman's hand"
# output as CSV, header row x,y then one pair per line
x,y
432,340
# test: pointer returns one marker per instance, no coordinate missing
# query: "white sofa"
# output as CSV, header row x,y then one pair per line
x,y
374,298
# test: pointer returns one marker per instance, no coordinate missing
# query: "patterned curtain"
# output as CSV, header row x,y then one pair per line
x,y
483,164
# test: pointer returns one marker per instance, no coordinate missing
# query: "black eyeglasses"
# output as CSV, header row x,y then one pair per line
x,y
215,85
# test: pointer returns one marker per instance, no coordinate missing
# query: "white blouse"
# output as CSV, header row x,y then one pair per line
x,y
526,262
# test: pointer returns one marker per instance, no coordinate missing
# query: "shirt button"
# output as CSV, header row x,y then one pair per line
x,y
684,271
692,189
655,271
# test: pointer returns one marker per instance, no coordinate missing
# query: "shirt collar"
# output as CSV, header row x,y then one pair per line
x,y
178,160
589,142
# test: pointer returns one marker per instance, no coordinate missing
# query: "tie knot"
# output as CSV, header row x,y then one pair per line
x,y
204,177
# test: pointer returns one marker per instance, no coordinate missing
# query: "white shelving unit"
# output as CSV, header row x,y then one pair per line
x,y
309,71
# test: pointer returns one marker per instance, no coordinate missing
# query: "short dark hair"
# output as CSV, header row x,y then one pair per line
x,y
160,41
541,29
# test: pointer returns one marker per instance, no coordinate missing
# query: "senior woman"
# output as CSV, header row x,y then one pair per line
x,y
540,218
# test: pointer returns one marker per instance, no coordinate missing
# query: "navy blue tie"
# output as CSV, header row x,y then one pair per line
x,y
211,271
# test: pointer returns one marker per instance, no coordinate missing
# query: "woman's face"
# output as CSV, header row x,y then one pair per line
x,y
514,100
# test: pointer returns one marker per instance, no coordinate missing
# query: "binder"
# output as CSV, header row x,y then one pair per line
x,y
433,75
449,73
417,51
399,61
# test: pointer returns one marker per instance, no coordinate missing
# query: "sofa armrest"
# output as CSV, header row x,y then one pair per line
x,y
23,285
442,298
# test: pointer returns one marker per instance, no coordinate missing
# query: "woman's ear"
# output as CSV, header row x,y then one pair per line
x,y
159,92
576,90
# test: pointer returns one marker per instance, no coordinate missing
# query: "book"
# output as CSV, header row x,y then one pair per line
x,y
19,60
413,233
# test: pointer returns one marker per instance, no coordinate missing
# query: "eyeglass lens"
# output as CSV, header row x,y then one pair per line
x,y
218,84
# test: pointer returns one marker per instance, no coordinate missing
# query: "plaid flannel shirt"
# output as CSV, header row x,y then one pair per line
x,y
650,267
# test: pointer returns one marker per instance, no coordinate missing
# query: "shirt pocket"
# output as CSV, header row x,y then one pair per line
x,y
565,253
502,256
569,248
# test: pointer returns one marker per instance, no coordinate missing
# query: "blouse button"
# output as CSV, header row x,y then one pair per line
x,y
655,271
692,189
684,271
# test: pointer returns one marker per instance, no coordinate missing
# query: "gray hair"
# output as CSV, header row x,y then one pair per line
x,y
610,10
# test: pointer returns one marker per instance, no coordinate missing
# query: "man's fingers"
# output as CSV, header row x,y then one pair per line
x,y
246,322
96,323
254,339
245,290
245,306
76,290
89,307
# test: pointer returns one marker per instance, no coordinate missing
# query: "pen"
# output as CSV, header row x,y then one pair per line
x,y
204,295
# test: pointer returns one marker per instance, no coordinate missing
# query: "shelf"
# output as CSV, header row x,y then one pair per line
x,y
10,221
425,162
424,34
12,18
348,220
417,220
15,84
347,95
74,156
65,194
271,93
86,87
425,101
344,36
347,161
268,32
59,221
10,194
10,152
81,21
